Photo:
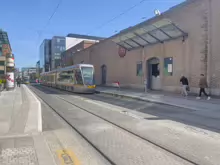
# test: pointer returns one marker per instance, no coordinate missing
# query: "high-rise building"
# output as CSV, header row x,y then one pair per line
x,y
5,48
45,55
51,50
58,45
38,70
2,66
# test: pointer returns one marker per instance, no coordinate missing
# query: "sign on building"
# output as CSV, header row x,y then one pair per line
x,y
168,66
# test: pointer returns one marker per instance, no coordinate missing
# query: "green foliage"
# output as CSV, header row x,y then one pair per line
x,y
2,81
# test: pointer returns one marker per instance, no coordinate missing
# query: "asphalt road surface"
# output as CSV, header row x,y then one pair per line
x,y
126,131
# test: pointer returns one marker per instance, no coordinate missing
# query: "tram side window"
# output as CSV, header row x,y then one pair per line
x,y
78,77
66,76
58,76
53,77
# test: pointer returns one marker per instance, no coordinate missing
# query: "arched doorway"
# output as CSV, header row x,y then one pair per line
x,y
104,74
153,77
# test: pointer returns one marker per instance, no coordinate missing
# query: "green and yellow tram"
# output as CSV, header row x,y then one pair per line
x,y
77,78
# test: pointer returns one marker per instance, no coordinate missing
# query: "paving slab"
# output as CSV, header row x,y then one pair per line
x,y
20,112
10,104
17,151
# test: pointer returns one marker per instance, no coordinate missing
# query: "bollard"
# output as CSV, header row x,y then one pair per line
x,y
116,84
145,85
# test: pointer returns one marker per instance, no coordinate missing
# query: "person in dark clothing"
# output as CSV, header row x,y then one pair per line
x,y
203,84
18,82
185,84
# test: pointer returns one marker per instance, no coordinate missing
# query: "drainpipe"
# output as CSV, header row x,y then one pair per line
x,y
143,76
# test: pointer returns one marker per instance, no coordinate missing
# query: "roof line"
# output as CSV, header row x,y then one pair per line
x,y
85,36
155,18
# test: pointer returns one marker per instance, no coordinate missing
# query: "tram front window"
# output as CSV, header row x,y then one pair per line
x,y
88,75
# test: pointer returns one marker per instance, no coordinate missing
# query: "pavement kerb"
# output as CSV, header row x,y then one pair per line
x,y
148,100
39,111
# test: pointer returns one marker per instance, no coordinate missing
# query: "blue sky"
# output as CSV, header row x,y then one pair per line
x,y
24,19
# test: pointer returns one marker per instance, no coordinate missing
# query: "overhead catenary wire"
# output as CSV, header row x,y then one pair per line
x,y
50,18
117,16
105,23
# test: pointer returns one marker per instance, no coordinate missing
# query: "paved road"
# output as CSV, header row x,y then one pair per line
x,y
59,136
209,120
159,133
114,144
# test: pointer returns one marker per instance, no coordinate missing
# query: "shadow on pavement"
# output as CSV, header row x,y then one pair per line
x,y
161,112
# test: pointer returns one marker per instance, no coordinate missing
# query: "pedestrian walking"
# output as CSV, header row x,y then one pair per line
x,y
18,82
202,85
185,85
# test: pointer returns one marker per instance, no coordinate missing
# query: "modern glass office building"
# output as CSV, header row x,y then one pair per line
x,y
45,55
58,45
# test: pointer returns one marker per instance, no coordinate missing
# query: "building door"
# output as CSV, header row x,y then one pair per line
x,y
104,74
153,77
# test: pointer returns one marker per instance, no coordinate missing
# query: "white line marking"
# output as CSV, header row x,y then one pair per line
x,y
105,105
39,109
114,108
131,115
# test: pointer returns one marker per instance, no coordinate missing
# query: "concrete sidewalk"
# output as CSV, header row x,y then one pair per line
x,y
164,98
23,143
20,112
20,128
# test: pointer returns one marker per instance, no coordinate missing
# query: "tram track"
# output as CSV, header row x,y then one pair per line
x,y
109,122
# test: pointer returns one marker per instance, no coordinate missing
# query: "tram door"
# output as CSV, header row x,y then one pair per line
x,y
104,74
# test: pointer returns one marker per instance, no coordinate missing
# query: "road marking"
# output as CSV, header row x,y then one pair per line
x,y
105,105
132,115
67,157
115,108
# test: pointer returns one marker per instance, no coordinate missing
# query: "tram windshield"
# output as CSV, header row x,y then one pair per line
x,y
88,75
25,80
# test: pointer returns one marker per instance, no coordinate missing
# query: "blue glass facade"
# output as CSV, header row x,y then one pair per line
x,y
58,45
45,55
4,40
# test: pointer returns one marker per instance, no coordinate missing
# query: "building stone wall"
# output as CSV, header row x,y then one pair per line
x,y
67,56
214,62
197,54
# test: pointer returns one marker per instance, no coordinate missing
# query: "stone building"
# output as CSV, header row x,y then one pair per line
x,y
67,56
183,40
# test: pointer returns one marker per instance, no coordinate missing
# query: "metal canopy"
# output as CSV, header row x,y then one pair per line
x,y
148,34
